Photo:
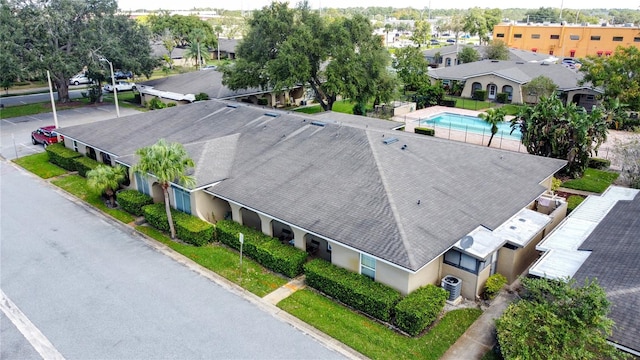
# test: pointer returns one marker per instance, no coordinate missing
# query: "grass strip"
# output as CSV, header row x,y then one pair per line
x,y
38,108
225,262
39,164
77,186
593,180
372,338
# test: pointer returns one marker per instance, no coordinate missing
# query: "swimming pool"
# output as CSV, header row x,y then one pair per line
x,y
470,124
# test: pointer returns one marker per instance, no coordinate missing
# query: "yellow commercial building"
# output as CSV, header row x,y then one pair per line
x,y
567,40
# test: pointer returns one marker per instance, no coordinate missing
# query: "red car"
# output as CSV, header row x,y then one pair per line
x,y
44,135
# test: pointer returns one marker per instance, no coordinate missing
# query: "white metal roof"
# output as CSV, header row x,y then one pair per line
x,y
562,258
167,94
522,227
484,243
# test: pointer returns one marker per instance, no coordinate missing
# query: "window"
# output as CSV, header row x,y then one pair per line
x,y
574,37
91,153
517,36
535,36
636,39
106,158
617,38
550,52
183,200
75,146
464,261
500,35
368,266
142,184
447,62
595,37
555,37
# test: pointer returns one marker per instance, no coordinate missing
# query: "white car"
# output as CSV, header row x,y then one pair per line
x,y
79,79
120,86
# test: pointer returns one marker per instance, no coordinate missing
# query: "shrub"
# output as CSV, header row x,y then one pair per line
x,y
355,290
502,98
480,95
171,104
193,230
62,156
263,101
425,131
156,103
156,216
266,250
555,183
84,165
132,201
359,109
493,285
598,163
419,309
573,201
202,96
448,103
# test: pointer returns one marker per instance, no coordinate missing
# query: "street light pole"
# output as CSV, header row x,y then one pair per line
x,y
113,84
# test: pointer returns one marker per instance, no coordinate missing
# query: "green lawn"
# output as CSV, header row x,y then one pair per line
x,y
77,186
38,108
39,164
470,104
342,106
372,338
225,262
511,109
593,180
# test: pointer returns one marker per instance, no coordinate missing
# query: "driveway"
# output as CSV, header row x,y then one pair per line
x,y
94,289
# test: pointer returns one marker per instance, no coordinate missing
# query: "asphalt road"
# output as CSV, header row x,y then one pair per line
x,y
43,97
94,289
15,133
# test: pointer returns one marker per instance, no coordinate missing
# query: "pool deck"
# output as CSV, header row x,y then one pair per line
x,y
412,120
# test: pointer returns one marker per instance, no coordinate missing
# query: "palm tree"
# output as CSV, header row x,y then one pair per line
x,y
105,180
493,117
168,162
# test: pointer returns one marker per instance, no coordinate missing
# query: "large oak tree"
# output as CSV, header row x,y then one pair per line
x,y
287,47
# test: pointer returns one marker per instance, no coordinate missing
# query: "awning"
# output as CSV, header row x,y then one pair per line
x,y
608,52
534,49
599,52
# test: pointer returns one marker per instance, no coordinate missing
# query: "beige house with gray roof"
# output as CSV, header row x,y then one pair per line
x,y
401,208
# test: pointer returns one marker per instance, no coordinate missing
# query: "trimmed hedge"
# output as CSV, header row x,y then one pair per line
x,y
85,164
189,228
480,95
598,163
425,131
494,284
62,156
132,201
419,309
448,103
266,250
502,98
355,290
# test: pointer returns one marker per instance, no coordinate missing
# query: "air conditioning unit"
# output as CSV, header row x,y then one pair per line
x,y
453,285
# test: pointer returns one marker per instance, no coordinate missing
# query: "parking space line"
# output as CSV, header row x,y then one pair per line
x,y
33,335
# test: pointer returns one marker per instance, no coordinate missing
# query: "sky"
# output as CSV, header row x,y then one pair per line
x,y
456,4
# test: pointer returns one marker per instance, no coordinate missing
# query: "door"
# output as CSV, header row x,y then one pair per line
x,y
493,89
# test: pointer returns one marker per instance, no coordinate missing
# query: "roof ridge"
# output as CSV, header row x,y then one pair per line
x,y
403,235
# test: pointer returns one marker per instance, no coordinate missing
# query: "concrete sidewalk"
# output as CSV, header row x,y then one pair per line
x,y
480,337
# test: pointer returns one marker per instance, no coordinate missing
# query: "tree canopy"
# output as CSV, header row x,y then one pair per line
x,y
65,36
411,67
468,55
481,22
560,131
557,320
287,47
497,50
185,29
540,86
617,74
106,180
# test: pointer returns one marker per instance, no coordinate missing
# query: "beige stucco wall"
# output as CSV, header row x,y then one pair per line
x,y
392,276
429,274
493,79
506,259
469,281
345,258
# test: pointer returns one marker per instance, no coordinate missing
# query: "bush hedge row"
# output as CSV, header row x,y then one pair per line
x,y
266,250
598,163
189,228
493,285
62,156
132,201
425,131
355,290
419,309
85,164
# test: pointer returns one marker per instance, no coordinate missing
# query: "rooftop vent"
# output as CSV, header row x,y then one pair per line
x,y
495,61
318,123
271,114
388,141
232,106
519,62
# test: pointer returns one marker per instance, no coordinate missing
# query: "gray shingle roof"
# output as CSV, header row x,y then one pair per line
x,y
195,82
340,180
514,54
516,71
615,250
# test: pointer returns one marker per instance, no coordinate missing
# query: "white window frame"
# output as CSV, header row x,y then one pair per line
x,y
368,264
179,196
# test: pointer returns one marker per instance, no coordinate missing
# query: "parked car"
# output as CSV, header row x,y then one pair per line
x,y
571,63
122,75
209,67
44,135
434,42
120,86
79,79
451,41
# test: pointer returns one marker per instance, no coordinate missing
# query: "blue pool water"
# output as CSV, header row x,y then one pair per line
x,y
470,124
